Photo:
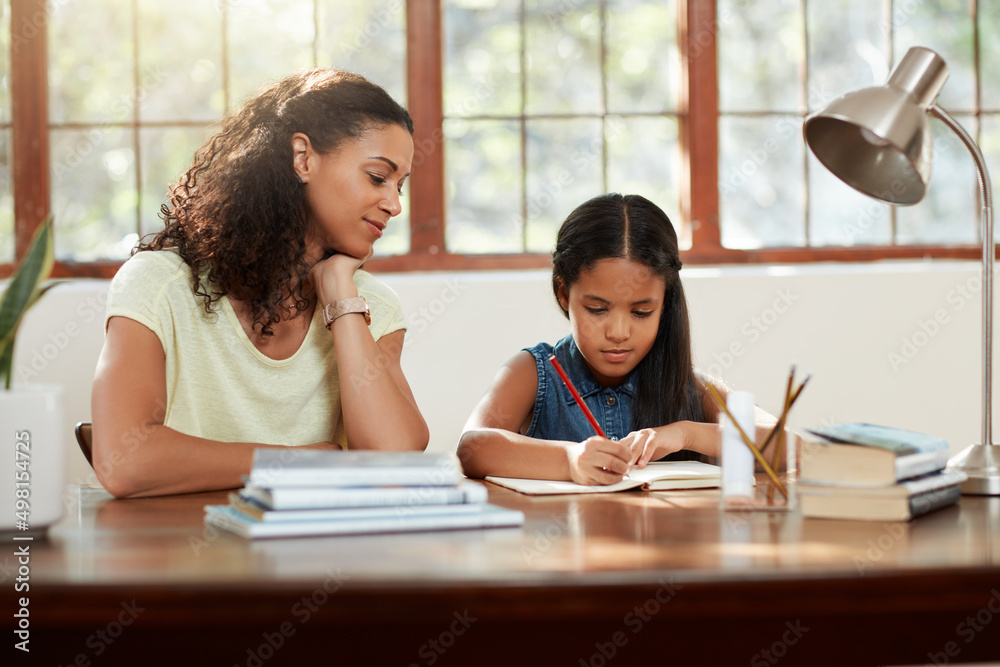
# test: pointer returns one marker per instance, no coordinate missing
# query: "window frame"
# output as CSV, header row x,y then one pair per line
x,y
698,116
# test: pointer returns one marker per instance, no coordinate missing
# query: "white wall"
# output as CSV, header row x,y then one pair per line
x,y
891,343
895,343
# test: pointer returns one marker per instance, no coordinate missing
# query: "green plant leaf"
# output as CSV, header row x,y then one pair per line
x,y
25,288
6,360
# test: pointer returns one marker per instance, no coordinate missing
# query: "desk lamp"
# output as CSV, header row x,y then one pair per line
x,y
878,141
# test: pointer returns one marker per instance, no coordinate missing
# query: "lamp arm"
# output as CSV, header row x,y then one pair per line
x,y
986,190
977,155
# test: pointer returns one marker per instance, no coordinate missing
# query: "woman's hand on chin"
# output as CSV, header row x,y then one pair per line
x,y
333,275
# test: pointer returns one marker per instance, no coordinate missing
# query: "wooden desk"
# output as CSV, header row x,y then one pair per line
x,y
596,580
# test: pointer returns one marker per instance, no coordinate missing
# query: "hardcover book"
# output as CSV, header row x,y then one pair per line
x,y
897,502
360,521
868,455
309,497
292,466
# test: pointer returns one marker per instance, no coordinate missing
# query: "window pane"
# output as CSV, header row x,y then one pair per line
x,y
267,39
644,159
643,58
848,49
840,215
483,186
6,200
93,193
91,68
989,143
989,19
166,154
563,43
368,38
565,167
760,55
761,186
949,212
482,61
180,61
944,26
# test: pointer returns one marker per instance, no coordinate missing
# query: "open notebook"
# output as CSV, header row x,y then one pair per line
x,y
657,476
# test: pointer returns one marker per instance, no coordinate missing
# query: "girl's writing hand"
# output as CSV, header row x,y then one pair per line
x,y
651,444
598,460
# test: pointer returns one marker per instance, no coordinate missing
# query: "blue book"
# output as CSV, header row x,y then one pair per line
x,y
297,467
316,497
868,455
359,521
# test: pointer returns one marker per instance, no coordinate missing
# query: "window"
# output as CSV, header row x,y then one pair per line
x,y
134,91
523,109
782,59
549,103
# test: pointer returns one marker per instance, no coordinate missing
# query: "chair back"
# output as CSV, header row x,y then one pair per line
x,y
85,438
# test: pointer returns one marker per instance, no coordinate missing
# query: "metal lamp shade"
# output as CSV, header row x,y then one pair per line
x,y
878,140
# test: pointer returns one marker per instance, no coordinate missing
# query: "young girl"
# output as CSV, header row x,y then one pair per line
x,y
246,321
615,274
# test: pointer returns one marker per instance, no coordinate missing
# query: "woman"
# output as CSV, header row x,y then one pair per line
x,y
245,322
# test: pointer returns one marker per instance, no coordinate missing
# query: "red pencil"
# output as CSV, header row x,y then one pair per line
x,y
576,395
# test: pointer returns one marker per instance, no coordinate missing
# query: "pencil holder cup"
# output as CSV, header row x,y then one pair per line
x,y
736,458
777,494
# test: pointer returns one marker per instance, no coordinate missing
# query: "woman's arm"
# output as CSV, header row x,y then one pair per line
x,y
492,442
134,453
379,411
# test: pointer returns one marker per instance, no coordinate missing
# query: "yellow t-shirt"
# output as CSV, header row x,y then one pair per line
x,y
219,386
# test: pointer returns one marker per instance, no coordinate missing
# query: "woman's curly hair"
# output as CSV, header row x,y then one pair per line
x,y
239,216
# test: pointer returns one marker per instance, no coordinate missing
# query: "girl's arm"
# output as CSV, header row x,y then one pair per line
x,y
134,453
492,442
379,411
651,444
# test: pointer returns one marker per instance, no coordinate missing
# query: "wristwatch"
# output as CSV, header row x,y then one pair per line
x,y
344,306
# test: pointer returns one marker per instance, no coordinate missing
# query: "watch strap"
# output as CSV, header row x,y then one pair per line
x,y
343,307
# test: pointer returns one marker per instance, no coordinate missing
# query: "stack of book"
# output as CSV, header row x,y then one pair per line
x,y
299,492
877,473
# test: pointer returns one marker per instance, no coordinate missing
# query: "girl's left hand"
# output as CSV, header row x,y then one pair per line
x,y
652,444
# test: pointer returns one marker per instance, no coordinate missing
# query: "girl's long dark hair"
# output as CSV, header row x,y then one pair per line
x,y
239,216
631,227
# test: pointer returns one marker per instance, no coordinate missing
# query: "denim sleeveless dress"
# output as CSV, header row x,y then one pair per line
x,y
556,415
